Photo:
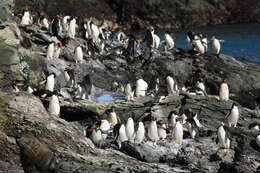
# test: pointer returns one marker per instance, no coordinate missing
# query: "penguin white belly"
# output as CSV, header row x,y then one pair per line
x,y
130,130
78,55
72,28
169,42
177,133
139,137
191,131
156,41
224,92
104,127
96,136
129,93
199,47
67,79
153,131
50,83
54,105
141,87
122,135
162,132
45,23
222,137
95,32
170,85
201,86
50,51
113,119
234,116
258,140
216,46
205,44
29,90
26,18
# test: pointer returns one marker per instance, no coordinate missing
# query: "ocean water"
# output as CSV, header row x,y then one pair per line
x,y
241,40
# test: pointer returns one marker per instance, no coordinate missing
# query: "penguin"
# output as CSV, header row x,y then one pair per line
x,y
27,18
171,85
190,38
130,130
45,23
152,129
50,82
161,129
169,43
129,93
223,139
68,79
29,90
96,136
191,130
173,115
50,51
156,39
140,132
113,119
65,23
54,105
141,88
198,44
120,134
94,31
183,118
78,54
193,126
57,50
255,126
177,133
81,92
216,44
224,91
204,41
257,140
201,85
56,26
104,127
72,28
196,120
233,115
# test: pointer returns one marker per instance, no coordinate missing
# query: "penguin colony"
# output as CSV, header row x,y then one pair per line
x,y
99,37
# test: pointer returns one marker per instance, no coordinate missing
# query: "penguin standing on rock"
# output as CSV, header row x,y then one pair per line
x,y
112,117
140,132
72,28
258,141
104,127
171,85
223,139
120,134
96,136
152,128
233,115
54,105
50,82
162,130
216,44
27,18
78,54
173,115
130,129
197,43
67,76
193,126
141,88
169,43
177,133
129,93
50,51
56,26
224,91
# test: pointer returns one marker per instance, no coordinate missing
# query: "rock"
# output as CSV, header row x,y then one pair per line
x,y
10,34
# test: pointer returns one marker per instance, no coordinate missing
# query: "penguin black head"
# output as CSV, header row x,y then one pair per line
x,y
160,122
54,75
224,81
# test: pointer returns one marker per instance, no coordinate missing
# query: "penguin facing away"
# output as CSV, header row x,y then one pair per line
x,y
112,117
233,115
141,88
129,93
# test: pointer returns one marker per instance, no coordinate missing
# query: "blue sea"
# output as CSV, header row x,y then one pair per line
x,y
241,40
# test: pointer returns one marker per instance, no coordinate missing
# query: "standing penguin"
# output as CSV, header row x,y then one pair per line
x,y
169,43
141,88
156,39
173,115
27,18
129,93
216,44
161,130
177,133
29,90
201,85
104,127
204,41
120,134
56,26
57,50
223,140
152,129
112,117
198,44
65,23
171,85
190,38
193,126
130,129
233,115
45,23
72,28
54,105
78,54
50,82
140,132
224,91
50,51
68,79
96,136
